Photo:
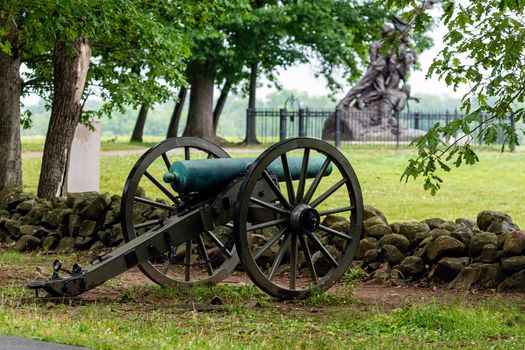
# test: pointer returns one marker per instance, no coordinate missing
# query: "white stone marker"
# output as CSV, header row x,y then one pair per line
x,y
84,161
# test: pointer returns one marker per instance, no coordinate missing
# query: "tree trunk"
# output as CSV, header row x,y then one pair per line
x,y
220,104
251,136
139,125
200,113
69,79
10,90
173,129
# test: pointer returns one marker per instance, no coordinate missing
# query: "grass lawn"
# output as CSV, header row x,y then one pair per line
x,y
497,182
131,313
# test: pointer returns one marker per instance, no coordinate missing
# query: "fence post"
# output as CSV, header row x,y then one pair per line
x,y
337,140
282,124
513,128
416,120
302,115
398,127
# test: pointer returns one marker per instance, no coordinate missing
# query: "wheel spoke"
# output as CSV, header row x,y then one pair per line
x,y
269,206
186,153
302,176
317,180
276,190
308,257
293,262
266,224
166,265
153,203
323,249
288,178
166,161
218,243
279,256
334,232
148,223
187,261
161,186
204,254
268,244
335,211
328,193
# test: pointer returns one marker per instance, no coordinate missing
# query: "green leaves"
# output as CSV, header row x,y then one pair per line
x,y
485,48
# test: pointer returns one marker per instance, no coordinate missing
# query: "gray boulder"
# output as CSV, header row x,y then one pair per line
x,y
464,234
364,245
409,229
371,255
513,263
434,222
56,217
66,244
330,220
465,222
377,231
87,228
478,276
50,242
374,220
412,266
370,211
479,240
514,283
391,254
395,226
27,242
397,240
448,268
25,206
449,226
445,245
489,253
95,208
514,243
488,217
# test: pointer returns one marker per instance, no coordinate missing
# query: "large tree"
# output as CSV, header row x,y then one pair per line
x,y
10,91
485,51
275,34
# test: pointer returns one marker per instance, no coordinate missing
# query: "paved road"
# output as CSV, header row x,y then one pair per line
x,y
12,343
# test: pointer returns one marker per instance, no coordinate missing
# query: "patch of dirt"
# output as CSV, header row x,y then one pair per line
x,y
130,282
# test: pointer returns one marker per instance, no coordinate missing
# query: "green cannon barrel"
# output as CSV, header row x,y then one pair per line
x,y
203,175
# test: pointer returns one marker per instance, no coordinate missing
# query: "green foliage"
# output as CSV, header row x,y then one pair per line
x,y
140,48
484,49
353,277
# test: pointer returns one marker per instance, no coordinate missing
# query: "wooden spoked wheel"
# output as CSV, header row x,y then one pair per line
x,y
147,201
296,252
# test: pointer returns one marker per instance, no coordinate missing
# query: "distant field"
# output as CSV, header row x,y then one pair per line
x,y
497,182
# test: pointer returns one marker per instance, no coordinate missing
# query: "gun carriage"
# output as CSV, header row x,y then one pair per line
x,y
215,211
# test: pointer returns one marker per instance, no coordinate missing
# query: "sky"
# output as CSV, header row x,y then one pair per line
x,y
302,77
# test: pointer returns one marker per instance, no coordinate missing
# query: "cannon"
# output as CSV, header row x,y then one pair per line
x,y
190,213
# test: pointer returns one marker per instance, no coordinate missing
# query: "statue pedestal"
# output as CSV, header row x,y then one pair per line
x,y
83,173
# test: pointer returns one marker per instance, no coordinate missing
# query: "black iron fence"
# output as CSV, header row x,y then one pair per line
x,y
273,125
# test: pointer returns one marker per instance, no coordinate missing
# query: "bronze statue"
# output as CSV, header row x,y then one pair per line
x,y
371,106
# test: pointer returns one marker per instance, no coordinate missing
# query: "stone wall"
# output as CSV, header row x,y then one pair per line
x,y
81,221
464,254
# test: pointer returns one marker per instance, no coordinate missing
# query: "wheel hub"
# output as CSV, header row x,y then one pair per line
x,y
304,219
